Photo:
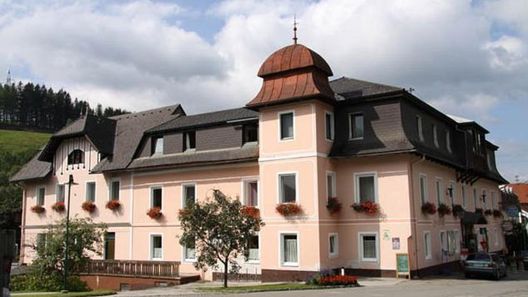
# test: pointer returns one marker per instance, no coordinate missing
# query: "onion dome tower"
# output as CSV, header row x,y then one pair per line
x,y
293,73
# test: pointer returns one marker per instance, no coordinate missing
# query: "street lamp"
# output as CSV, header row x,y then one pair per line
x,y
70,183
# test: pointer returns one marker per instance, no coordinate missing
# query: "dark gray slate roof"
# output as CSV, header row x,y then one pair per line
x,y
33,169
129,131
247,152
205,119
352,88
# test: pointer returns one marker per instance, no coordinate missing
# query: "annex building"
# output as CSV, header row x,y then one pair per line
x,y
374,170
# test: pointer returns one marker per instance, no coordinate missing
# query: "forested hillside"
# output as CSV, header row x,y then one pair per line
x,y
30,106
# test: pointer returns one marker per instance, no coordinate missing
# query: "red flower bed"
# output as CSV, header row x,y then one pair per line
x,y
250,211
333,205
443,209
113,204
58,206
288,209
497,213
88,206
368,207
155,213
429,208
338,280
38,209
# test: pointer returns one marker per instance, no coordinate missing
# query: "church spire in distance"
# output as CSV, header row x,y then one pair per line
x,y
294,29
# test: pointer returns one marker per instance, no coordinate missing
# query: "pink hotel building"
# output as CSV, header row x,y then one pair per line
x,y
302,139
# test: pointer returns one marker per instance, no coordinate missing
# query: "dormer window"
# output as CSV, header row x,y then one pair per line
x,y
249,133
76,157
419,127
435,136
448,141
357,126
157,145
189,141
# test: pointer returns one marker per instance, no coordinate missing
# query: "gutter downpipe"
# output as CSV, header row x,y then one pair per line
x,y
413,210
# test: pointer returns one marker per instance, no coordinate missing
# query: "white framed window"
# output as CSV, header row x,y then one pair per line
x,y
254,250
452,191
90,191
251,193
475,198
427,245
114,189
452,242
439,192
369,247
494,204
331,184
157,145
435,136
484,199
366,187
60,193
448,141
286,125
357,125
189,253
333,244
289,246
443,242
457,241
189,141
156,247
419,127
464,197
188,194
41,195
423,188
287,187
156,197
329,125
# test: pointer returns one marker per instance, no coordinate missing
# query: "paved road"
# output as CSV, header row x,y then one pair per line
x,y
515,285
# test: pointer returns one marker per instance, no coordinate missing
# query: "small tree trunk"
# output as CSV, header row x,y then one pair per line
x,y
226,265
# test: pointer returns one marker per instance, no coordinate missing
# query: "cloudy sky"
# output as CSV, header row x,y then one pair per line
x,y
467,58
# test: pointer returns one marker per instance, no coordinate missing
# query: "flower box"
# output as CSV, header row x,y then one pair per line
x,y
443,209
88,206
429,208
58,206
250,211
368,207
289,209
479,210
338,280
38,209
497,213
155,213
333,205
488,212
113,204
458,210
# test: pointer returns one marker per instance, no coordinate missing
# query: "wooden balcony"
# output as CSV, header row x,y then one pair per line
x,y
126,268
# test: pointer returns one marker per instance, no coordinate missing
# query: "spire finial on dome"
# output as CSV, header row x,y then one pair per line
x,y
295,29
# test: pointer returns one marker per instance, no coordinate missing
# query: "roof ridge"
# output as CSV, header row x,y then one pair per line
x,y
216,111
143,112
366,81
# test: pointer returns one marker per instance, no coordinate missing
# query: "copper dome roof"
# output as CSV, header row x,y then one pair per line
x,y
293,57
293,73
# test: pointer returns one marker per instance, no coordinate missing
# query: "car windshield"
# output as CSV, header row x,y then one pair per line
x,y
478,257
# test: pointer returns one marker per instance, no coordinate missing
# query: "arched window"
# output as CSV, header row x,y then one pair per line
x,y
76,157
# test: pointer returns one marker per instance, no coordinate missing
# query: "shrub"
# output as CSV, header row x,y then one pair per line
x,y
50,282
429,208
288,209
338,280
250,211
155,213
58,206
88,206
368,207
113,204
38,209
497,213
443,209
333,205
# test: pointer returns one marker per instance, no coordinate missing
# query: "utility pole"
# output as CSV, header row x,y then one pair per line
x,y
67,234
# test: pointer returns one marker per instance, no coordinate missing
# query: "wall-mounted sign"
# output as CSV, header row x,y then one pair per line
x,y
395,243
386,234
512,211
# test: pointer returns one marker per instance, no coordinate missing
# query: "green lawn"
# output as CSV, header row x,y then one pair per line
x,y
58,294
262,288
17,141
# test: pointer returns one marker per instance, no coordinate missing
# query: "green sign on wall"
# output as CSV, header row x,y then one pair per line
x,y
402,264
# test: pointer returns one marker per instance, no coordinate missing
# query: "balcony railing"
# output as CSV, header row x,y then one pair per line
x,y
133,268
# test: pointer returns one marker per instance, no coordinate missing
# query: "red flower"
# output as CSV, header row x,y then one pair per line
x,y
368,207
250,211
338,280
443,209
38,209
113,204
288,209
155,213
497,213
88,206
429,208
333,205
58,206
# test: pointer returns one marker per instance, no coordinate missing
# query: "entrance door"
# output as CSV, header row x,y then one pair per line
x,y
109,246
